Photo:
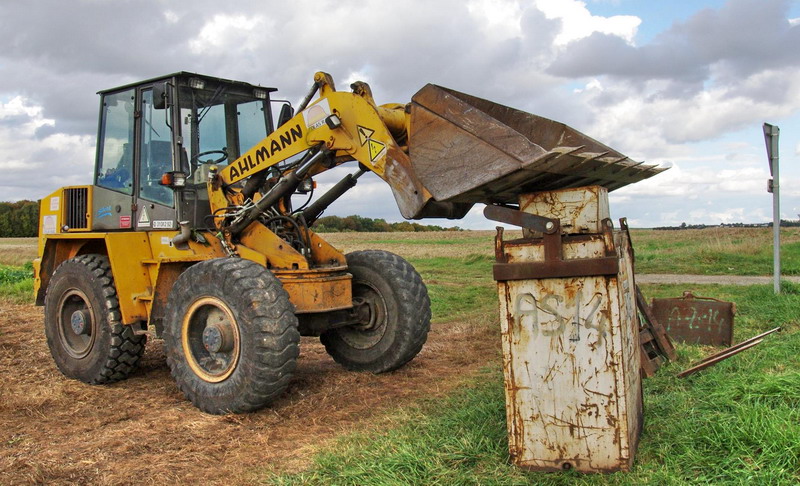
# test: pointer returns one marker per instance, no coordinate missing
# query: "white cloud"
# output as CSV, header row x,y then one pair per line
x,y
578,22
685,181
644,122
34,166
228,32
498,18
171,17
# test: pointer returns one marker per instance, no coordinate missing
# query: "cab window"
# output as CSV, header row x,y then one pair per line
x,y
156,152
116,142
252,124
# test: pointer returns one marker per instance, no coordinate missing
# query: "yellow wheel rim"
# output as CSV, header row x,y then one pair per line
x,y
210,339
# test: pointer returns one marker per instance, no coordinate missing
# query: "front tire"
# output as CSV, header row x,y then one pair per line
x,y
394,311
231,336
82,323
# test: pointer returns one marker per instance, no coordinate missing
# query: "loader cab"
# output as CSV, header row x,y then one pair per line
x,y
182,123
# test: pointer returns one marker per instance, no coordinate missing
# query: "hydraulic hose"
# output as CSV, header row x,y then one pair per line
x,y
284,187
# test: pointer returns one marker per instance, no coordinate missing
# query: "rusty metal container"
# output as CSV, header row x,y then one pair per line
x,y
570,338
696,320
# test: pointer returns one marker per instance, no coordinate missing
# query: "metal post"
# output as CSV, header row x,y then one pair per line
x,y
771,133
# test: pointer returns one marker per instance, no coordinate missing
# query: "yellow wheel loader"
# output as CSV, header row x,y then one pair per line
x,y
189,233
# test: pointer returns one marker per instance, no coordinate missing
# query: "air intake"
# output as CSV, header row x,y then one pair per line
x,y
76,204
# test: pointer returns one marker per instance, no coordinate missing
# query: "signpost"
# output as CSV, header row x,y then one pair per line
x,y
771,133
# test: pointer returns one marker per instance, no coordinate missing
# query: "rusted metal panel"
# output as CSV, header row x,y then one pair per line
x,y
332,290
696,320
584,211
571,361
467,149
564,268
661,340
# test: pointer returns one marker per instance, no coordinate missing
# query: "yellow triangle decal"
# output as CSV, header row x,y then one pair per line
x,y
376,149
364,134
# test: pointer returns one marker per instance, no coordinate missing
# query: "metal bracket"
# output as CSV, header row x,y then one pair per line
x,y
554,264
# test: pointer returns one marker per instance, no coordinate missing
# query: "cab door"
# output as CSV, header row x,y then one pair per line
x,y
154,204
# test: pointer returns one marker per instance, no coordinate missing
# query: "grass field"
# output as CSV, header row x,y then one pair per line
x,y
736,423
441,420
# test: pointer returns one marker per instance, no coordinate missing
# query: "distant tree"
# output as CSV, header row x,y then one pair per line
x,y
19,219
335,224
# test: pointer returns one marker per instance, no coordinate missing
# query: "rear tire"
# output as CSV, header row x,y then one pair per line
x,y
82,323
396,314
231,336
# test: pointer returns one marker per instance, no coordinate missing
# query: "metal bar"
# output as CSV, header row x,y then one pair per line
x,y
304,102
727,353
741,344
519,218
660,335
315,209
771,134
579,267
712,362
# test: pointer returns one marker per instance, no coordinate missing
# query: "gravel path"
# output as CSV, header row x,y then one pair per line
x,y
708,279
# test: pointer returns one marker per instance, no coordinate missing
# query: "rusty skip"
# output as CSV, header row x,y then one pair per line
x,y
570,336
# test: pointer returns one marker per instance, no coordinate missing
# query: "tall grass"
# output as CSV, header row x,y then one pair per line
x,y
16,283
715,251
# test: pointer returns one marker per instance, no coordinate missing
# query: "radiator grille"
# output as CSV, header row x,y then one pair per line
x,y
76,203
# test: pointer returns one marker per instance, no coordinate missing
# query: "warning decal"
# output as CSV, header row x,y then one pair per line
x,y
364,134
376,149
144,220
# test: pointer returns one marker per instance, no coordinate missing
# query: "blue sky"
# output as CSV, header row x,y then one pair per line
x,y
657,15
685,84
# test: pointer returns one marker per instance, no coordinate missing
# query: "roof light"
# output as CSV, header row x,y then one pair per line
x,y
196,83
174,179
260,93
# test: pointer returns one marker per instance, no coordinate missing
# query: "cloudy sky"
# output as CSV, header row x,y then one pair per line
x,y
685,83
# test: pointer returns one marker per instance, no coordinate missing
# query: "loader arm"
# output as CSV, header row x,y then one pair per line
x,y
440,154
338,127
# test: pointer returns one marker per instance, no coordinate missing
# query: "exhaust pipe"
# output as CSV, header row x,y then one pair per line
x,y
181,240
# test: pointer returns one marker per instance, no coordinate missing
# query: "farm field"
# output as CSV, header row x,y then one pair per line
x,y
439,420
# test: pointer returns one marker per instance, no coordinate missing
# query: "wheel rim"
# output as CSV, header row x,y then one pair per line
x,y
210,339
76,323
373,317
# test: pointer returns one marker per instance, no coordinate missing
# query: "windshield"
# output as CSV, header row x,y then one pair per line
x,y
218,126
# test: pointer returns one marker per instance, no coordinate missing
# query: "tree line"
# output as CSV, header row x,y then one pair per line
x,y
19,219
336,224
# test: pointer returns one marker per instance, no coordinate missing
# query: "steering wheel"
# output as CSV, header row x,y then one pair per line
x,y
223,152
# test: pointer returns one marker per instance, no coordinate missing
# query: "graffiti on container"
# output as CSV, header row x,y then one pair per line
x,y
687,317
552,315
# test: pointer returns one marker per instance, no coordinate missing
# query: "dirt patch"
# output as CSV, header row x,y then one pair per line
x,y
57,431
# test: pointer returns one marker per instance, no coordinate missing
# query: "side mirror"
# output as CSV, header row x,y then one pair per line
x,y
160,94
287,112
